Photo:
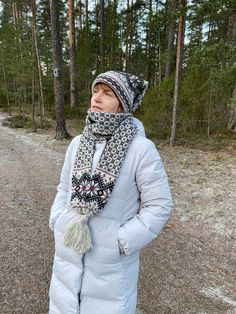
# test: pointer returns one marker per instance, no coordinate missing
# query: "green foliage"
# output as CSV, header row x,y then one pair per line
x,y
208,81
156,110
135,40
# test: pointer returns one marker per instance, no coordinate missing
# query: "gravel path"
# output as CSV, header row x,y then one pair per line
x,y
28,174
190,268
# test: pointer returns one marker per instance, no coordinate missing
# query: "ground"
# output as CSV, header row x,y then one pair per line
x,y
190,268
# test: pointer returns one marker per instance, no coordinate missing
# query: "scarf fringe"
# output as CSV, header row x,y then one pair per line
x,y
78,236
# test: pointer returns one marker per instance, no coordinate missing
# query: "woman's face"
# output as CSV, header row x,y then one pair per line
x,y
104,99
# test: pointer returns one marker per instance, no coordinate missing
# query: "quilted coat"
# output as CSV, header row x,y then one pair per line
x,y
102,281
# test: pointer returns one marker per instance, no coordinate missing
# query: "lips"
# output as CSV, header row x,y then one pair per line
x,y
96,108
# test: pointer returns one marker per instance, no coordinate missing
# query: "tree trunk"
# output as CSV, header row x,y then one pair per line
x,y
159,60
21,95
87,52
232,121
128,24
231,38
80,15
231,33
33,74
171,7
73,87
86,15
131,31
6,88
61,131
42,110
113,29
102,20
149,61
179,61
210,106
33,104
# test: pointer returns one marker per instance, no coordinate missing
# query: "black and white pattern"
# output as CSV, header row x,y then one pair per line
x,y
129,88
91,191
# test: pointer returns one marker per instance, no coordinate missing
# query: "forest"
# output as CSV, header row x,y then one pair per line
x,y
50,52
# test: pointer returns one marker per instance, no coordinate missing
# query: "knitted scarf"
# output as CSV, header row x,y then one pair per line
x,y
91,190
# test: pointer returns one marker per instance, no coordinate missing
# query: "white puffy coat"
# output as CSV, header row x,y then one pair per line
x,y
102,281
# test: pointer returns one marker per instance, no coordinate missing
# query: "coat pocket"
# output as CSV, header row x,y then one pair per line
x,y
64,220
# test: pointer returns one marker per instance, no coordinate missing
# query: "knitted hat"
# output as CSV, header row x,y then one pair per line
x,y
128,88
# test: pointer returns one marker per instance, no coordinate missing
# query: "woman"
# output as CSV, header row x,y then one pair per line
x,y
113,199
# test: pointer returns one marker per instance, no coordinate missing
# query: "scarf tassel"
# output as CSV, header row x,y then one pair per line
x,y
78,236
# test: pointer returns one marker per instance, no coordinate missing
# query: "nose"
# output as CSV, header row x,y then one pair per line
x,y
97,96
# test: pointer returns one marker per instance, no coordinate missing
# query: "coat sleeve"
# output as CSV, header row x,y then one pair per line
x,y
156,203
60,200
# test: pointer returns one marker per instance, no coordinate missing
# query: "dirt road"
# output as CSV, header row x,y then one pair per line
x,y
28,175
190,268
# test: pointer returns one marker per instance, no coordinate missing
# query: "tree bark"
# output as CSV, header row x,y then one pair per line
x,y
6,88
128,24
149,62
131,31
86,15
33,74
61,131
21,89
179,61
231,38
73,86
42,110
80,15
33,104
210,106
232,120
171,7
113,30
102,20
231,32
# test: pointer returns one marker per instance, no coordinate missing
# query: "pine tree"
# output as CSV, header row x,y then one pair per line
x,y
179,62
38,62
171,30
61,131
73,87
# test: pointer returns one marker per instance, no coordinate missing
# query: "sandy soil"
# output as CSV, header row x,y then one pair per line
x,y
190,268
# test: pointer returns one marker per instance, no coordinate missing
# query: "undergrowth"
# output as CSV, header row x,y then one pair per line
x,y
26,122
220,140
